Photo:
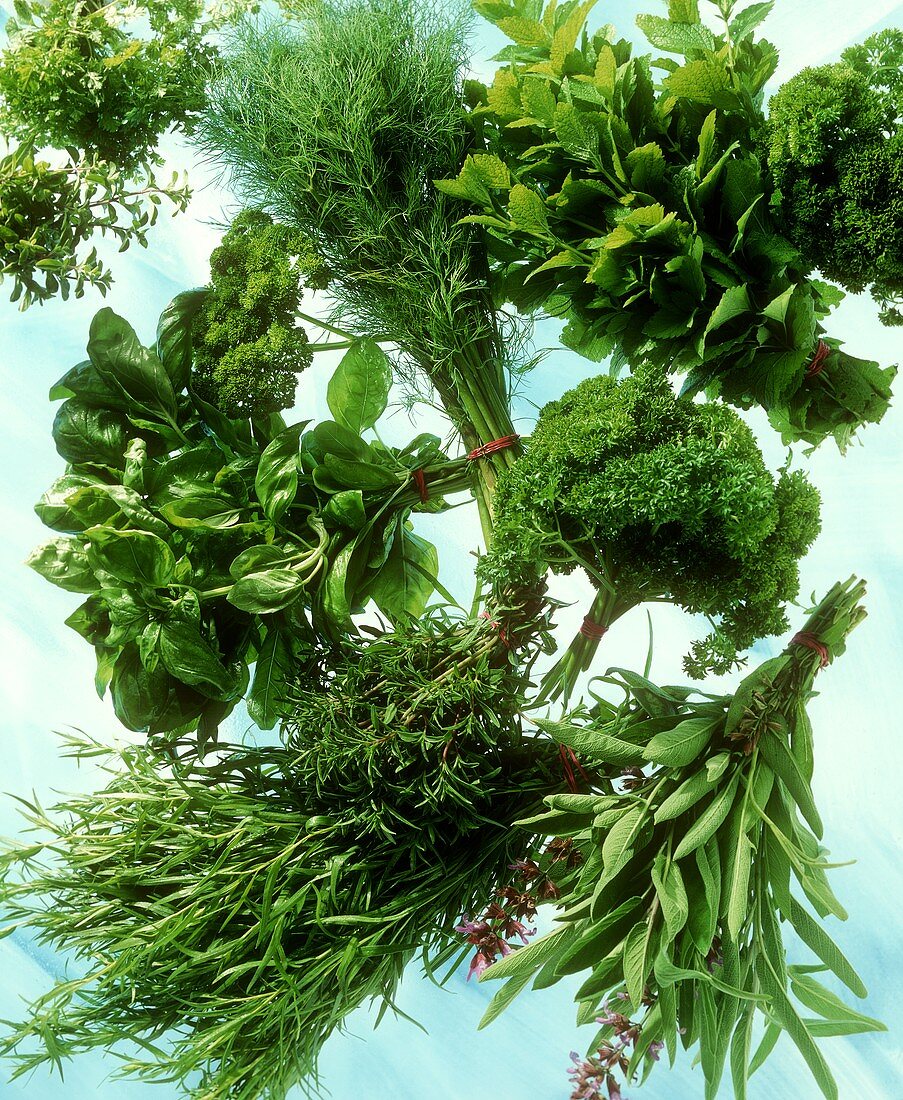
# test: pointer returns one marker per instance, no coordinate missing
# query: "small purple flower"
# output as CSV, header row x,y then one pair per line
x,y
655,1049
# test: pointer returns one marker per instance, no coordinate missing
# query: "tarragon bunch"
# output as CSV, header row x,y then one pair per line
x,y
637,210
690,856
225,922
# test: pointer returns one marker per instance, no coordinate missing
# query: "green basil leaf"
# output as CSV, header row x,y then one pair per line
x,y
403,586
275,661
91,620
189,657
358,391
258,559
142,700
329,438
174,346
360,475
126,365
90,436
112,504
346,509
63,562
205,510
277,472
135,557
85,382
53,508
263,593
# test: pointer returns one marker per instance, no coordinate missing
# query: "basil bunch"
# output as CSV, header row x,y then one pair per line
x,y
204,544
688,862
639,212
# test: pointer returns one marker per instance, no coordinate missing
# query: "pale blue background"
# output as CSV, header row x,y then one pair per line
x,y
46,674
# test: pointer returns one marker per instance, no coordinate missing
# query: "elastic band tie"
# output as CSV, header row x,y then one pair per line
x,y
568,759
811,642
591,629
419,479
503,635
817,365
491,448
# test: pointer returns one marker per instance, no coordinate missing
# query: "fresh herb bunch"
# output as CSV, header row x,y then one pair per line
x,y
419,727
688,860
248,349
71,76
204,543
639,211
834,147
339,126
48,214
224,924
656,497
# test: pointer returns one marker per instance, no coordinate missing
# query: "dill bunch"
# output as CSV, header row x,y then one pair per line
x,y
339,126
222,923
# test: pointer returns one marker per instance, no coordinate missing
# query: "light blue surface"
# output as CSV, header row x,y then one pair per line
x,y
47,672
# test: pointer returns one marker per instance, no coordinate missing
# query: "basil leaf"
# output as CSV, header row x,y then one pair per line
x,y
85,382
204,509
403,586
90,436
54,510
135,557
346,509
275,662
189,657
358,391
257,559
174,346
263,593
63,562
277,472
329,438
360,475
144,700
126,365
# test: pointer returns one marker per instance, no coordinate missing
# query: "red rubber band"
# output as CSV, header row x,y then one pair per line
x,y
419,479
591,629
811,642
822,351
491,448
503,635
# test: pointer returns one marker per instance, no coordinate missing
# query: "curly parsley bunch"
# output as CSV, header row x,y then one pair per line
x,y
657,498
834,146
248,350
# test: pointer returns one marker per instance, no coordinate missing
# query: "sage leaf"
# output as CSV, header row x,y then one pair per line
x,y
708,823
680,746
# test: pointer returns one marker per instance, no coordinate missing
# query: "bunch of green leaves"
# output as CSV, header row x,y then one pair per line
x,y
248,349
338,126
72,76
834,147
638,210
421,727
688,867
48,215
204,544
222,924
658,498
